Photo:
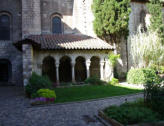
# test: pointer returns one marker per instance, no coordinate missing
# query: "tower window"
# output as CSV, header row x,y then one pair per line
x,y
4,27
56,25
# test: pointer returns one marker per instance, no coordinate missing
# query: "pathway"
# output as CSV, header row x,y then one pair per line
x,y
16,111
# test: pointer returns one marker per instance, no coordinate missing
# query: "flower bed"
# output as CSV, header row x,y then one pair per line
x,y
41,101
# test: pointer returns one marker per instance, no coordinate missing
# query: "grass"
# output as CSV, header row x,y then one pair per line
x,y
87,92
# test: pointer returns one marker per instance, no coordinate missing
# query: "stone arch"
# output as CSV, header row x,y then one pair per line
x,y
49,68
95,66
5,70
65,69
143,20
80,69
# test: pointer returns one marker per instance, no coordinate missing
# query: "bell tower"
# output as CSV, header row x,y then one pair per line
x,y
31,17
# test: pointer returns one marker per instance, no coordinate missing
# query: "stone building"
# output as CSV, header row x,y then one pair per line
x,y
56,38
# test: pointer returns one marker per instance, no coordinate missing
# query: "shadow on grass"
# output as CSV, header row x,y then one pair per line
x,y
81,93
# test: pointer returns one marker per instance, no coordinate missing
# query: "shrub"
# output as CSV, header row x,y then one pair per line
x,y
94,81
46,93
131,114
37,82
158,69
113,58
154,97
161,69
142,76
114,81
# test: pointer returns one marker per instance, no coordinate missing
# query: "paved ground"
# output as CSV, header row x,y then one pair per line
x,y
16,111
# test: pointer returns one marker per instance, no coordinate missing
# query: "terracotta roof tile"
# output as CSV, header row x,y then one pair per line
x,y
68,41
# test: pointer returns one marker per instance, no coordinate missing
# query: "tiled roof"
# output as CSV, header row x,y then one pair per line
x,y
67,41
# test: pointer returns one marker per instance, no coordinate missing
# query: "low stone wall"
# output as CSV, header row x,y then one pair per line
x,y
116,123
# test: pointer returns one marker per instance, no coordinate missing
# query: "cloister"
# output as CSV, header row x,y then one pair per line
x,y
72,66
66,58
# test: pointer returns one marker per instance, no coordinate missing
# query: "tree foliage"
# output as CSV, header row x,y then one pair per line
x,y
111,19
157,22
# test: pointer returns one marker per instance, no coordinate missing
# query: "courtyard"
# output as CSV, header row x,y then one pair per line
x,y
15,110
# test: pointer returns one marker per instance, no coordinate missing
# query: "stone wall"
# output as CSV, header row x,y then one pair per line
x,y
76,16
135,16
13,8
134,22
83,17
7,50
125,61
31,17
62,8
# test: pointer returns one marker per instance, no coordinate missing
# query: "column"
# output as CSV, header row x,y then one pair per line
x,y
73,70
108,70
102,69
88,63
39,68
57,71
27,62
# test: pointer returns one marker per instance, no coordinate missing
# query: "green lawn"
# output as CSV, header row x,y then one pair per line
x,y
79,93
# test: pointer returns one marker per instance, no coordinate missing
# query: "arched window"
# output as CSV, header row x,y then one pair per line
x,y
56,25
143,21
4,27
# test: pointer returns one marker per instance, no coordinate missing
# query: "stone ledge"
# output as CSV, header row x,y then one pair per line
x,y
109,120
116,123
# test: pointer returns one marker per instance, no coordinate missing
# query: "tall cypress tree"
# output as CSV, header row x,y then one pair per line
x,y
111,19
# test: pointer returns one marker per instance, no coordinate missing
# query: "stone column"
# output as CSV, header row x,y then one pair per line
x,y
57,72
88,63
102,69
108,70
39,68
27,62
73,70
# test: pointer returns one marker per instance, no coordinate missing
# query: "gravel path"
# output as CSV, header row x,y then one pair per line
x,y
16,111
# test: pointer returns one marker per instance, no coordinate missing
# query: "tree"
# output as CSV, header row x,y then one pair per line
x,y
111,19
157,22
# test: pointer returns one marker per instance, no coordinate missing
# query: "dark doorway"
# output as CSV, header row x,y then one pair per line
x,y
95,67
80,70
65,71
5,70
49,68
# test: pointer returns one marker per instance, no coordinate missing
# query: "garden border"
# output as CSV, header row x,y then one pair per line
x,y
90,100
102,115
